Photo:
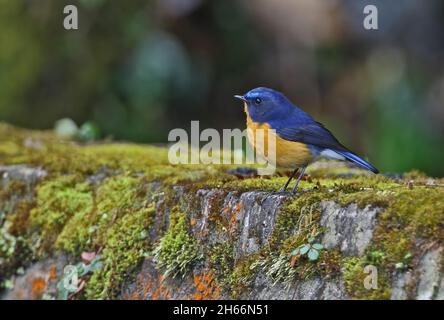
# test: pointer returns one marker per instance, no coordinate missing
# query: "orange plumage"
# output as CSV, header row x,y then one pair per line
x,y
289,154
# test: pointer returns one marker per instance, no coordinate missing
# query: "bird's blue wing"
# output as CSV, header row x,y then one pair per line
x,y
313,133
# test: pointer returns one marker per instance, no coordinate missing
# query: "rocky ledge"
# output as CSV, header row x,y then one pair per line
x,y
116,221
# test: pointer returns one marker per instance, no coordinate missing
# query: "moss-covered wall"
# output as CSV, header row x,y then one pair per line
x,y
128,205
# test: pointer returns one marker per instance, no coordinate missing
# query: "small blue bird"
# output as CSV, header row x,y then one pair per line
x,y
300,140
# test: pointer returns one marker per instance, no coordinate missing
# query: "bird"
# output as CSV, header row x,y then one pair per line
x,y
300,139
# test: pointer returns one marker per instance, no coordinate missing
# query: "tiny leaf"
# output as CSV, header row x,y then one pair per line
x,y
399,265
293,261
408,256
313,254
304,249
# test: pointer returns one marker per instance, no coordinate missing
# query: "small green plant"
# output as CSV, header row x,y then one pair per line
x,y
405,263
177,250
310,249
89,131
375,257
7,284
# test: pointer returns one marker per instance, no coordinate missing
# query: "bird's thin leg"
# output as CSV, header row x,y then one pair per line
x,y
288,181
299,179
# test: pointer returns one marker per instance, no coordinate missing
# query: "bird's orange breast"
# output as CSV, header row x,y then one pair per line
x,y
289,154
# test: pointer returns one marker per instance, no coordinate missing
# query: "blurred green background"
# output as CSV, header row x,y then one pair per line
x,y
140,68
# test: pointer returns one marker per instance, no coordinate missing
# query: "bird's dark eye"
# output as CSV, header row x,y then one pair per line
x,y
258,100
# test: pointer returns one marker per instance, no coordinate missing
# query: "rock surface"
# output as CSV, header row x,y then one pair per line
x,y
349,228
430,275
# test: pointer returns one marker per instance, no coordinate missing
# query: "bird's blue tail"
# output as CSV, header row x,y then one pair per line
x,y
355,159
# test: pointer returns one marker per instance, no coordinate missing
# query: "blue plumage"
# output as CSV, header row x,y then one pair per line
x,y
350,156
267,106
314,134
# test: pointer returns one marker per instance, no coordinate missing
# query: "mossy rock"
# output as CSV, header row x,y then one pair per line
x,y
201,232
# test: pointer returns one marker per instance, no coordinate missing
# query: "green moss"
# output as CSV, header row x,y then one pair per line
x,y
18,218
125,246
373,198
325,179
117,220
59,200
15,244
15,252
73,216
418,211
265,183
8,243
329,263
298,217
283,267
222,262
277,267
354,275
115,197
242,276
177,251
331,169
67,157
89,159
16,202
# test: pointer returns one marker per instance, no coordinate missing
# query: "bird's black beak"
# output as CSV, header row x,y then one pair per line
x,y
240,98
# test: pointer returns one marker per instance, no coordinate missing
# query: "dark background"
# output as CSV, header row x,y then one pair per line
x,y
138,69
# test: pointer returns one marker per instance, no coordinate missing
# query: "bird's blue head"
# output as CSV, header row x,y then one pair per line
x,y
266,104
